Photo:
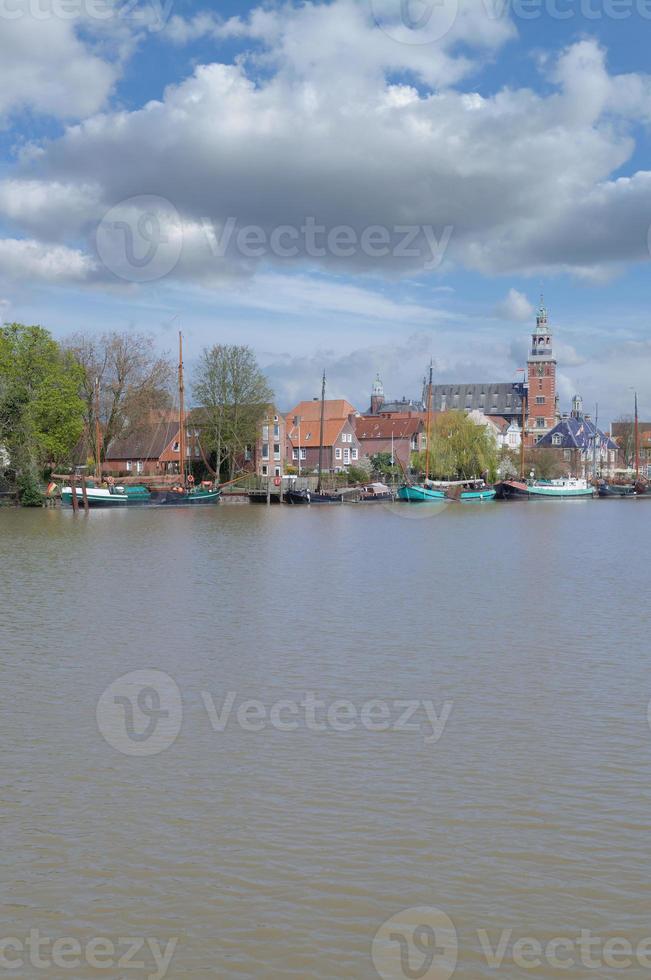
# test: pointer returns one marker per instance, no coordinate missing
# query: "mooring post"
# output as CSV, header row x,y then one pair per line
x,y
83,491
73,491
268,490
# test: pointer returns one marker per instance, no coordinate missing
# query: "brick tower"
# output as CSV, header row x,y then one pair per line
x,y
377,396
541,371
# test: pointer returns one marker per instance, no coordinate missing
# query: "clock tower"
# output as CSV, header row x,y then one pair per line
x,y
541,371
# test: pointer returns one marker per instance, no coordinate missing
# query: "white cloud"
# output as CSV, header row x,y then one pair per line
x,y
515,306
28,259
323,133
45,67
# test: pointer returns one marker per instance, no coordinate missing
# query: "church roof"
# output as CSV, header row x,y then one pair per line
x,y
576,432
494,398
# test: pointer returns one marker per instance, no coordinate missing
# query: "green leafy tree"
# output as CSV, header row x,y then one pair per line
x,y
41,411
381,465
459,449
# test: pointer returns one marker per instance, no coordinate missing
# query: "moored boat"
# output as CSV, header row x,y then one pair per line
x,y
544,489
420,493
470,490
111,496
190,495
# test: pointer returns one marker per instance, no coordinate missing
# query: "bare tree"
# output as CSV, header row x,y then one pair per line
x,y
134,380
234,396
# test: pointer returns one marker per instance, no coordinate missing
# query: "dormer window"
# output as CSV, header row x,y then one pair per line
x,y
557,440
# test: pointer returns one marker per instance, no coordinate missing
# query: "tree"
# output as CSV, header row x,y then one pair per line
x,y
382,466
459,449
133,379
233,398
546,463
626,439
41,411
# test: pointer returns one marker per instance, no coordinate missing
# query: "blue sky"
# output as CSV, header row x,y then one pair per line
x,y
497,150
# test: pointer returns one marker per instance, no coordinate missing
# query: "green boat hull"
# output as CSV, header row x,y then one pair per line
x,y
418,494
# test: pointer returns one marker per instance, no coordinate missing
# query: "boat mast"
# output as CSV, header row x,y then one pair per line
x,y
428,423
98,437
594,444
318,486
524,422
181,413
637,442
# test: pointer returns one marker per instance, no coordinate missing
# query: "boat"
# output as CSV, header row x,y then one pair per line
x,y
638,489
425,492
470,490
185,492
179,495
318,496
544,489
110,496
297,496
415,493
374,493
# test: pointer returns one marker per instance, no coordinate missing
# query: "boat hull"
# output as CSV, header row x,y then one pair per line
x,y
95,498
515,490
192,498
489,493
418,494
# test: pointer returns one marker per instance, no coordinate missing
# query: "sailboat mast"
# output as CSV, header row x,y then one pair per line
x,y
98,437
594,444
637,442
181,412
428,424
318,486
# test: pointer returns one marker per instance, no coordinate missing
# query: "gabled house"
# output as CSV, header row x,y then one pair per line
x,y
402,434
270,458
152,449
580,444
341,447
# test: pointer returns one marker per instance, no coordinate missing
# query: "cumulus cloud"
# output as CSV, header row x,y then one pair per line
x,y
515,306
310,123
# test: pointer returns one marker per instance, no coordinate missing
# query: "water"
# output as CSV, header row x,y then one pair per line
x,y
280,853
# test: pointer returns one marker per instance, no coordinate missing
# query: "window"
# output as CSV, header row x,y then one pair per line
x,y
265,432
567,454
354,453
139,466
276,450
337,453
276,432
275,418
265,470
346,456
265,450
303,453
175,447
277,471
540,399
294,453
129,465
557,440
540,423
308,436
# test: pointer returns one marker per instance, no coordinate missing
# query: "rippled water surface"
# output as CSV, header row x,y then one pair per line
x,y
280,852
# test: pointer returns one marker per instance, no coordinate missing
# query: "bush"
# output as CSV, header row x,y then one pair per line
x,y
357,475
29,491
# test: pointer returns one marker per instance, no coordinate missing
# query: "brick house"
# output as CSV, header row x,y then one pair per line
x,y
152,449
341,447
400,433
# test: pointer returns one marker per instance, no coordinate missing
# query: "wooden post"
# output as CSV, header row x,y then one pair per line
x,y
73,489
83,491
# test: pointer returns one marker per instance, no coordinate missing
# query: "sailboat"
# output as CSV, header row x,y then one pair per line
x,y
95,494
185,491
424,492
318,496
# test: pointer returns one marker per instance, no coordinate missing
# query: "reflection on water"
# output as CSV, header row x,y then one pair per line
x,y
269,849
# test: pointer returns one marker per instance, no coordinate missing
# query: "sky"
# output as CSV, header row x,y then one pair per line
x,y
355,185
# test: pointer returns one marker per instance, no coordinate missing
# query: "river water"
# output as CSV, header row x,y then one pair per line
x,y
448,724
